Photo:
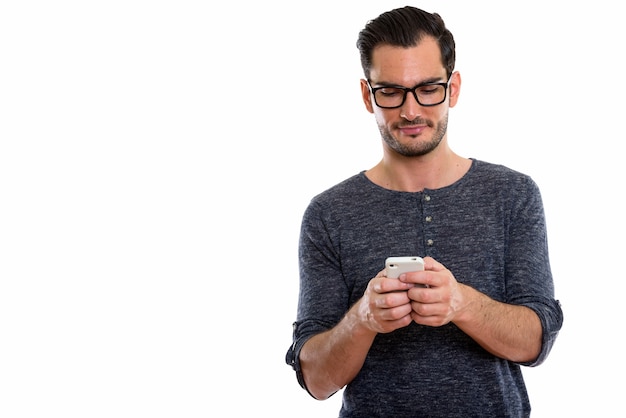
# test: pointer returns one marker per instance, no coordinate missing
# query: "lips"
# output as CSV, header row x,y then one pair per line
x,y
412,129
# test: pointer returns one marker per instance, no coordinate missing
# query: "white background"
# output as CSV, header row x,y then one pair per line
x,y
156,158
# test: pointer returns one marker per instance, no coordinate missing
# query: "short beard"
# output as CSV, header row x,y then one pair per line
x,y
420,149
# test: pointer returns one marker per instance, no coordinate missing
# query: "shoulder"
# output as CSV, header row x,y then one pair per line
x,y
486,174
510,188
352,197
485,168
356,184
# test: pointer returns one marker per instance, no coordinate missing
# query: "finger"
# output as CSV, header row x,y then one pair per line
x,y
426,295
416,279
386,285
396,313
392,300
432,264
431,321
419,309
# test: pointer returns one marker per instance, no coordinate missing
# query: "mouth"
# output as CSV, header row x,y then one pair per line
x,y
412,129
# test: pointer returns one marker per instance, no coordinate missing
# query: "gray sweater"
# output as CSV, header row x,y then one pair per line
x,y
488,229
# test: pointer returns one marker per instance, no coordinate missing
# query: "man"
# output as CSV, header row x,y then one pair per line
x,y
454,347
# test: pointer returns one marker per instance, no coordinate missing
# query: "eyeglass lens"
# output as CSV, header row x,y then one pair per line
x,y
394,97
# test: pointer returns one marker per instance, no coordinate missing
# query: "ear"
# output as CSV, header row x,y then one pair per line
x,y
367,96
455,88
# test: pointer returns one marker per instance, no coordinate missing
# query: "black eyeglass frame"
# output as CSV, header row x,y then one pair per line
x,y
406,90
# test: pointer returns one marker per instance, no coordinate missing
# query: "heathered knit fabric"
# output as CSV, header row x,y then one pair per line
x,y
488,228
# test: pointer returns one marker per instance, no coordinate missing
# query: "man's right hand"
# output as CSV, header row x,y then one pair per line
x,y
385,305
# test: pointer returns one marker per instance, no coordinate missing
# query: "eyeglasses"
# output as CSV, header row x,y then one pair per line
x,y
426,94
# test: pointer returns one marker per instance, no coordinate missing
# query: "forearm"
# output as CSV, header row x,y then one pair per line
x,y
331,360
508,331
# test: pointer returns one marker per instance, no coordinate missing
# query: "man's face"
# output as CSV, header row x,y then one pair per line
x,y
411,129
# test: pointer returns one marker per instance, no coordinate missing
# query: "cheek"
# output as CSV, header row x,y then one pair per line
x,y
381,117
387,117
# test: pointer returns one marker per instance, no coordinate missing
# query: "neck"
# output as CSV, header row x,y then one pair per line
x,y
439,168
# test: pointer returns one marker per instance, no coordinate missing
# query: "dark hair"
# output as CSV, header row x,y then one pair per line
x,y
405,27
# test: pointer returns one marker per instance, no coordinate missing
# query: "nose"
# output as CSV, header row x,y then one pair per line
x,y
410,109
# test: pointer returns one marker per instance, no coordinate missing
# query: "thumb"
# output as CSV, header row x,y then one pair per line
x,y
432,264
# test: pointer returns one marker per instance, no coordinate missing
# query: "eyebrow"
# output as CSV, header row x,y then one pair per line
x,y
430,80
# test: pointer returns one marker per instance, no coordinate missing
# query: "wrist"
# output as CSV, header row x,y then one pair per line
x,y
467,303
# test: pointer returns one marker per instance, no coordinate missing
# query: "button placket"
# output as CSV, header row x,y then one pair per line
x,y
428,219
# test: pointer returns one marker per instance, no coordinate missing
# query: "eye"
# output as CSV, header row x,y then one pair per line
x,y
390,92
427,90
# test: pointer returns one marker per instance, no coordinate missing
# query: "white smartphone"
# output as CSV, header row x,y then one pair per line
x,y
395,266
